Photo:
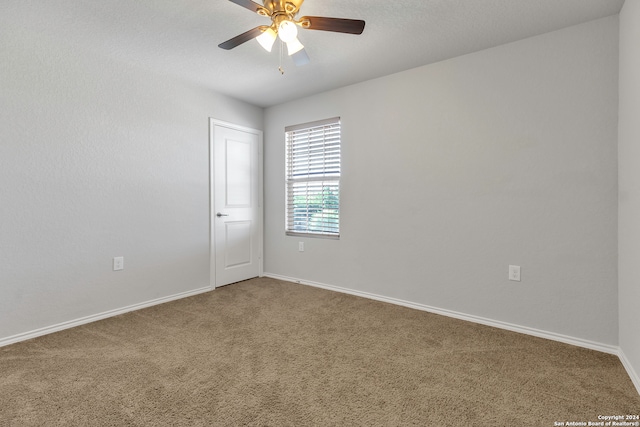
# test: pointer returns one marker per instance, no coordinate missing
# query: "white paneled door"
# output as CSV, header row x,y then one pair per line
x,y
236,208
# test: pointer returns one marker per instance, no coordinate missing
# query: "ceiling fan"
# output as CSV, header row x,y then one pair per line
x,y
284,25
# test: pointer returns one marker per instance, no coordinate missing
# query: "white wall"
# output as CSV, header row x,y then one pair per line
x,y
629,185
98,158
455,170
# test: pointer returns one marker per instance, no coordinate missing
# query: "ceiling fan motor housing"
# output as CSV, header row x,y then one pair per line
x,y
279,7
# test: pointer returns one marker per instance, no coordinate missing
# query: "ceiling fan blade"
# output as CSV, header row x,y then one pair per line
x,y
248,4
300,57
338,25
244,37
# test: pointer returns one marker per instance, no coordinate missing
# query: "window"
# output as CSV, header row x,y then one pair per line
x,y
313,179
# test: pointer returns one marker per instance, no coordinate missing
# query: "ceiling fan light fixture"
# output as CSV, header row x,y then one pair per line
x,y
266,39
287,31
294,46
284,25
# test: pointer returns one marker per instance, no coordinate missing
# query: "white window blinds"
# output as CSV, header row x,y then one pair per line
x,y
313,179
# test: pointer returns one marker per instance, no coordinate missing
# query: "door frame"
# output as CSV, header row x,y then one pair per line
x,y
260,220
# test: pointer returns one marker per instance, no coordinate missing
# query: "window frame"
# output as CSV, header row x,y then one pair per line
x,y
321,171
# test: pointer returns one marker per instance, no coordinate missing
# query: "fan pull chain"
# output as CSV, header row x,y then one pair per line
x,y
280,65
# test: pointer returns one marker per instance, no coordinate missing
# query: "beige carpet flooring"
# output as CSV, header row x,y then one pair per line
x,y
271,353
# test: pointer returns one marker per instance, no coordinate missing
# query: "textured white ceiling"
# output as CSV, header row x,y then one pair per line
x,y
181,37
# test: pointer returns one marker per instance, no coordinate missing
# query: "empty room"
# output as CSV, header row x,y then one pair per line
x,y
320,212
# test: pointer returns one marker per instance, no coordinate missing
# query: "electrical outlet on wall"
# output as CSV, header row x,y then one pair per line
x,y
118,263
300,246
514,273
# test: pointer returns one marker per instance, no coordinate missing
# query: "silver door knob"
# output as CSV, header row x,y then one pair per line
x,y
221,214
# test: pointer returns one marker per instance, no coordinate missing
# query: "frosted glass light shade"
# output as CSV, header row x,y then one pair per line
x,y
266,39
294,46
287,31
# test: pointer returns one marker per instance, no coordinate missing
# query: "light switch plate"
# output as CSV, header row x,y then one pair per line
x,y
514,273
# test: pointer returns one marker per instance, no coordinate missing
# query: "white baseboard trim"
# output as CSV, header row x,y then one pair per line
x,y
635,378
605,348
95,317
